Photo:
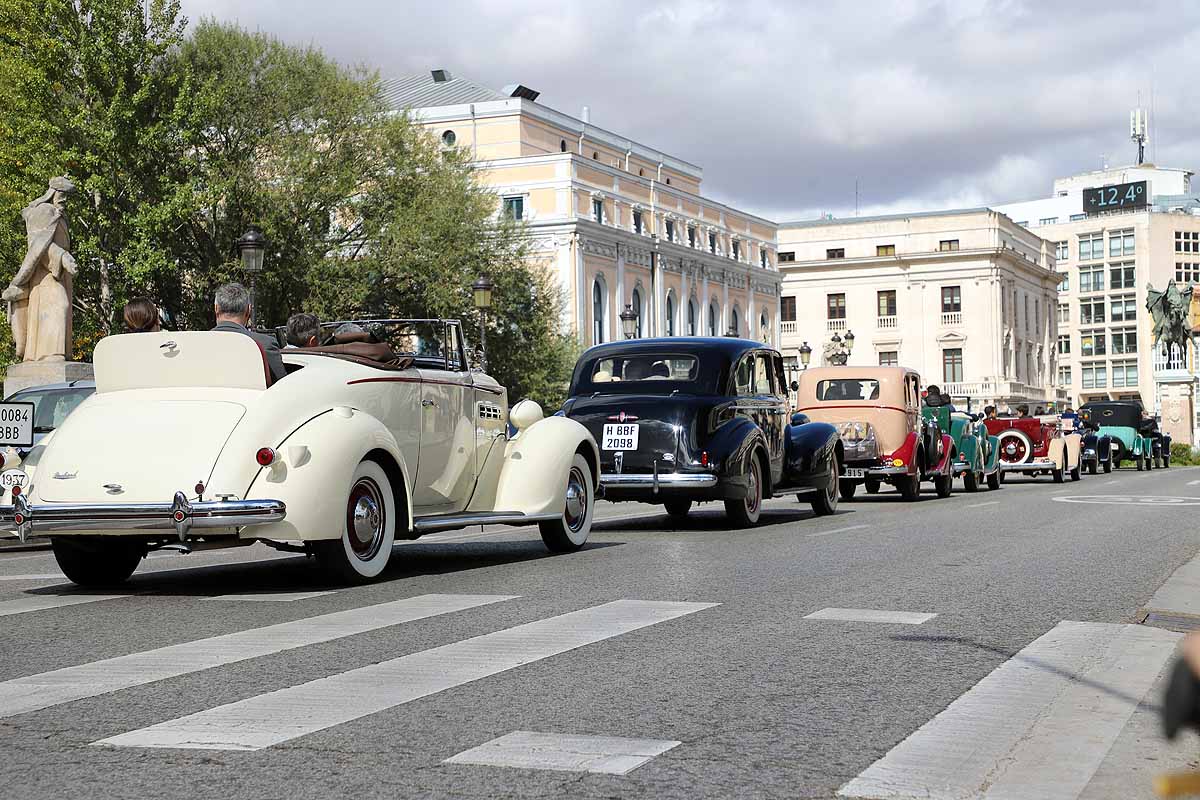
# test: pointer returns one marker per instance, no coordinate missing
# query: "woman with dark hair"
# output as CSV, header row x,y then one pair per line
x,y
141,316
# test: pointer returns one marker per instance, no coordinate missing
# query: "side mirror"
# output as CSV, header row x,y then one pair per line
x,y
795,386
800,418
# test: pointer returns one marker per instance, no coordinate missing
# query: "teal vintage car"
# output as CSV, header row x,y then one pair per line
x,y
1134,435
976,453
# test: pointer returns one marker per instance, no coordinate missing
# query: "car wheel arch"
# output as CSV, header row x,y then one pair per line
x,y
589,454
398,479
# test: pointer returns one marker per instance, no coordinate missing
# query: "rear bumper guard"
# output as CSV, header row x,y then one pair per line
x,y
658,480
180,515
1034,465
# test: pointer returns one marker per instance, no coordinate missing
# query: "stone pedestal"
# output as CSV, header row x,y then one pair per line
x,y
38,373
1176,403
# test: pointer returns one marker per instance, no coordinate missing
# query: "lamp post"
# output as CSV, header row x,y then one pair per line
x,y
841,349
805,354
629,321
482,288
251,248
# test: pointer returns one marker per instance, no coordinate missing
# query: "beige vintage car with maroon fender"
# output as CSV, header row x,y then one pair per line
x,y
186,444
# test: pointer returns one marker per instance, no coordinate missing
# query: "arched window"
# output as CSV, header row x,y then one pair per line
x,y
691,317
637,309
598,319
670,313
562,145
764,328
735,322
712,319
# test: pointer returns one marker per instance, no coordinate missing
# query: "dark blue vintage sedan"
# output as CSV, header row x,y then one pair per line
x,y
683,420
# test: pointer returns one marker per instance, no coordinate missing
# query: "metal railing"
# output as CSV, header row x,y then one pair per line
x,y
885,322
787,327
952,318
835,325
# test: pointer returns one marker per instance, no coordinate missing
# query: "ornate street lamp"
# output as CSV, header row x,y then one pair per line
x,y
840,353
251,248
629,322
805,354
849,341
482,289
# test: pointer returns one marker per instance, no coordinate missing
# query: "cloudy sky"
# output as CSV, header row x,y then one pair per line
x,y
786,103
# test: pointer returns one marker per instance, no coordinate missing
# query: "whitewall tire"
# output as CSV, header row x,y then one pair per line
x,y
361,553
570,531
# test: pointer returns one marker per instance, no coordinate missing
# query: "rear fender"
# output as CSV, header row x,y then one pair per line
x,y
313,470
1074,445
807,448
907,453
968,453
732,445
947,454
1056,451
533,477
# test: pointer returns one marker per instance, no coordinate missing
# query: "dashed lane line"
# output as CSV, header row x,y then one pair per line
x,y
981,505
275,717
46,602
47,689
271,597
1038,726
839,530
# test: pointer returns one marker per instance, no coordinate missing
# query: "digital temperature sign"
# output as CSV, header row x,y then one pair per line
x,y
1122,197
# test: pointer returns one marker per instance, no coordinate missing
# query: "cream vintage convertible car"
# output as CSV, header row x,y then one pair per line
x,y
185,445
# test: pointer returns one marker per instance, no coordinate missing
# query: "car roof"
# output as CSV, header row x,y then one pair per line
x,y
726,345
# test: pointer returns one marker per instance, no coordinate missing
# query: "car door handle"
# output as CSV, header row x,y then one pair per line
x,y
427,403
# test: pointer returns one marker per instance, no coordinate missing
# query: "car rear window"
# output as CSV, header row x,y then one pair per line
x,y
639,368
848,389
51,406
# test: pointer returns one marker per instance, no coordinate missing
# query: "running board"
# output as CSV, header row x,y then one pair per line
x,y
448,522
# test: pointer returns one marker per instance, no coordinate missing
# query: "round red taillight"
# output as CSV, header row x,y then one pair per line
x,y
179,516
16,490
19,519
199,488
265,457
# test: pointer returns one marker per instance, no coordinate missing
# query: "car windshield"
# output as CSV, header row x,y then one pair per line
x,y
51,406
848,389
431,343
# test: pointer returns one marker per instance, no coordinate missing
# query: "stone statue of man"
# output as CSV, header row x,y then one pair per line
x,y
39,297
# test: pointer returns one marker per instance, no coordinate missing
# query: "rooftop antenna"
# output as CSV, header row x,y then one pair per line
x,y
1138,132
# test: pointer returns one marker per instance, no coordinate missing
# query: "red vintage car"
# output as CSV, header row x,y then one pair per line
x,y
1037,446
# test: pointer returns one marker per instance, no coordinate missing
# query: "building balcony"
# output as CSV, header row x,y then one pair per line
x,y
950,318
787,326
886,322
835,325
994,390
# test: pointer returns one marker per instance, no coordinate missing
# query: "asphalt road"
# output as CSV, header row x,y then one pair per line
x,y
715,661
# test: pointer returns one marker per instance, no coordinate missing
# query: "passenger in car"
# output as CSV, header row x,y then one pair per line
x,y
233,310
141,316
304,332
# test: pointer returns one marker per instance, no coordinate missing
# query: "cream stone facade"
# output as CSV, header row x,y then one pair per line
x,y
965,297
1105,342
620,224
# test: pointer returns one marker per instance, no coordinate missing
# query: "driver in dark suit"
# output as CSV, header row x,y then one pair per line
x,y
935,399
234,312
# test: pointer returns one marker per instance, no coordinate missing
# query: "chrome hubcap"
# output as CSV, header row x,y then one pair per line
x,y
752,498
365,521
576,511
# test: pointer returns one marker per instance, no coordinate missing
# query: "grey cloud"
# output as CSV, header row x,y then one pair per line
x,y
785,104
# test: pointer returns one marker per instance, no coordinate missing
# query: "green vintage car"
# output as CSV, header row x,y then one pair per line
x,y
1134,435
976,453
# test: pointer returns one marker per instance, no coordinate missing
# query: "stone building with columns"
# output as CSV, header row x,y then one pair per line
x,y
618,223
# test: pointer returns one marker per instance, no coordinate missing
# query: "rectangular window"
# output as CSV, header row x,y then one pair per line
x,y
1064,314
1077,217
1064,281
1187,241
637,221
692,237
1064,345
946,245
952,365
887,303
885,249
737,250
1120,276
1092,344
951,299
1123,309
1124,374
1064,376
1095,376
763,258
1091,312
670,230
1124,341
889,358
1120,243
1091,245
1187,272
598,210
1091,279
786,255
836,306
1047,220
835,252
712,243
787,309
1062,251
514,208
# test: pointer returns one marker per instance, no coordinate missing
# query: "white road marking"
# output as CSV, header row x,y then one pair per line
x,y
871,615
47,689
1159,501
43,554
48,601
839,530
1038,726
981,505
275,717
1109,483
1181,592
57,577
1193,483
1062,491
271,597
565,752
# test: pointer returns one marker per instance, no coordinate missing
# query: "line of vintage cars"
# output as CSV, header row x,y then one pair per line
x,y
187,443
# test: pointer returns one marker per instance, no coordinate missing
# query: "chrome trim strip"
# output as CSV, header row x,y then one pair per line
x,y
447,522
1028,466
698,480
50,517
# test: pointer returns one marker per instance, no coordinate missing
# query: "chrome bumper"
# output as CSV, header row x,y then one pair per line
x,y
872,472
657,480
1029,466
959,467
180,515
